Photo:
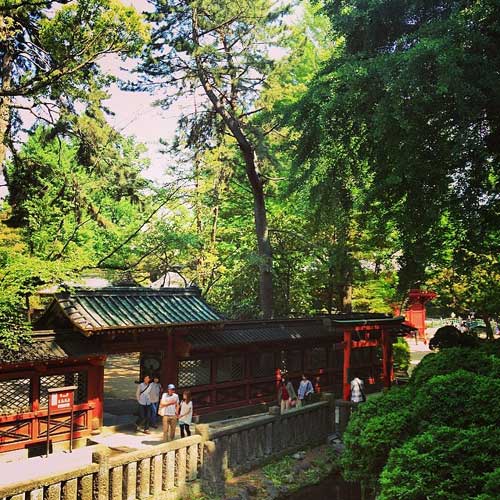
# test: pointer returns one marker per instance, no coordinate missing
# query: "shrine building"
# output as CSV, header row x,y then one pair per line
x,y
226,364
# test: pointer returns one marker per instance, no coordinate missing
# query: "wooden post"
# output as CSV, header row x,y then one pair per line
x,y
387,364
347,364
96,392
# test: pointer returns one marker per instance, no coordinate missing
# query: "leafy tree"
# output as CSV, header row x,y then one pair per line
x,y
468,281
49,50
407,99
20,276
221,50
70,209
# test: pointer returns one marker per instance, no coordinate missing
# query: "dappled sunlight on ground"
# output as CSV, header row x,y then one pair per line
x,y
121,372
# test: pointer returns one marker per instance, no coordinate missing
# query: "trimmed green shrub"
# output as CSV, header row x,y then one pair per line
x,y
443,463
459,399
401,353
483,360
491,489
448,336
424,441
374,429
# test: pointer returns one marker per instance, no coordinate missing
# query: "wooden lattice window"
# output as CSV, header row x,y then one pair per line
x,y
336,359
15,396
263,365
361,356
62,380
315,358
194,372
230,368
293,361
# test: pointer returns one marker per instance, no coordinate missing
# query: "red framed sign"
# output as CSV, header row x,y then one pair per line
x,y
61,398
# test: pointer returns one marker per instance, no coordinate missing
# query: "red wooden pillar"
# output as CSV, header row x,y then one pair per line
x,y
387,362
95,392
416,313
347,363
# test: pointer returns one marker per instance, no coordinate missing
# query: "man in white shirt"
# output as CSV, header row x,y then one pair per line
x,y
169,407
357,390
142,395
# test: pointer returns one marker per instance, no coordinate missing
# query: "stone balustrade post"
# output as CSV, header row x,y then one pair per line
x,y
343,411
212,473
101,485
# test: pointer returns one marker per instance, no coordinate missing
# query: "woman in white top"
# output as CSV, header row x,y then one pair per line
x,y
185,415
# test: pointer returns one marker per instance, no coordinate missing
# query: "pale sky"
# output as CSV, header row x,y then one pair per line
x,y
135,114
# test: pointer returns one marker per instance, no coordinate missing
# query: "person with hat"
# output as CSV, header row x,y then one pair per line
x,y
169,407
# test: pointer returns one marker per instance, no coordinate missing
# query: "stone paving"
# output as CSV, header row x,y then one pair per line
x,y
121,371
420,349
33,468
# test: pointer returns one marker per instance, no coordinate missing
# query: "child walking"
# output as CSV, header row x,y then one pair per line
x,y
185,414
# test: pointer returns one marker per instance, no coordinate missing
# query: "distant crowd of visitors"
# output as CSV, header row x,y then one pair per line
x,y
154,402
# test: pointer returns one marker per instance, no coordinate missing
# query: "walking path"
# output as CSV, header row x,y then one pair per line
x,y
420,349
30,469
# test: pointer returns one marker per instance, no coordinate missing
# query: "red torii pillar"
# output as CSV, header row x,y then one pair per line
x,y
347,364
416,313
387,361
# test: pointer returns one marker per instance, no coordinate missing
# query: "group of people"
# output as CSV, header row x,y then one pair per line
x,y
154,402
287,396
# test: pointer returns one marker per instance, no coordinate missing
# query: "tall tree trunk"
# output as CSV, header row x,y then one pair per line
x,y
262,233
251,166
330,289
345,298
200,264
5,102
489,330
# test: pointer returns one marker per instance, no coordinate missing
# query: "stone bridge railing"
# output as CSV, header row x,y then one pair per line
x,y
166,471
243,445
185,467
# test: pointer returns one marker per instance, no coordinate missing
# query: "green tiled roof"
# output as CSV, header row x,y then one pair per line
x,y
127,307
44,346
